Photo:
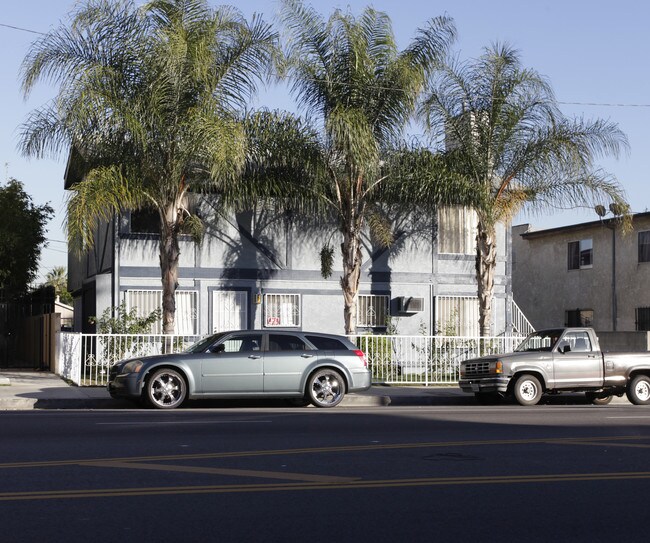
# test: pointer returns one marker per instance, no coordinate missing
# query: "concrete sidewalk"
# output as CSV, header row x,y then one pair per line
x,y
26,389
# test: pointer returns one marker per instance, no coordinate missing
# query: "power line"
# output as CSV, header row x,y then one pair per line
x,y
592,104
601,104
22,29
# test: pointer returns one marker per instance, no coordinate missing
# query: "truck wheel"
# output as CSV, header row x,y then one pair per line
x,y
528,390
598,400
638,390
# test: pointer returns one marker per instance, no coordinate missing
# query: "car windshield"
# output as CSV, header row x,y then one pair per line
x,y
544,340
203,344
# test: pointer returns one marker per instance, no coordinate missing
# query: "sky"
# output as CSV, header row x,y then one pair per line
x,y
594,53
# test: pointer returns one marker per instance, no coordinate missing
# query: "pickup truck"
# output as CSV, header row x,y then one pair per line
x,y
558,360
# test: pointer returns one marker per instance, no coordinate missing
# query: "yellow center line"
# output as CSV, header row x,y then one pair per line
x,y
389,483
602,444
224,471
320,450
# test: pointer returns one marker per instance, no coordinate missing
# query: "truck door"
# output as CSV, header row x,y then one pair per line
x,y
579,365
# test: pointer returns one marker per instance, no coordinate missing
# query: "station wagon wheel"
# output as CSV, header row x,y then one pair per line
x,y
528,390
638,391
166,389
325,388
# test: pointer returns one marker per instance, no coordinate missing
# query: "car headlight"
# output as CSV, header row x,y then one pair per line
x,y
134,366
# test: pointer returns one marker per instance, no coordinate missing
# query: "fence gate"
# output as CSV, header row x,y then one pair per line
x,y
28,342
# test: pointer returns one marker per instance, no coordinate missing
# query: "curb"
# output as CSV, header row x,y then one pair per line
x,y
23,404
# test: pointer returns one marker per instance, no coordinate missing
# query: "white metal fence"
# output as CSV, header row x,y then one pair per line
x,y
426,360
85,359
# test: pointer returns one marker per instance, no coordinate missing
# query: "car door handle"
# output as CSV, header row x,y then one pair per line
x,y
306,355
255,356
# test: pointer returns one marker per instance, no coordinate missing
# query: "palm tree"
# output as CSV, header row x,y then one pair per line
x,y
149,99
360,92
57,277
506,136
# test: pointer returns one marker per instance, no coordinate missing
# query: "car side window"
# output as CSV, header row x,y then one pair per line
x,y
327,343
282,342
243,343
579,342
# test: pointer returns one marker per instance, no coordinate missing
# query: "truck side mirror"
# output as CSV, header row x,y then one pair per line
x,y
564,347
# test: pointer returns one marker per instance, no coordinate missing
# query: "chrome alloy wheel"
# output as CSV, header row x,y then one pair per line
x,y
326,388
166,389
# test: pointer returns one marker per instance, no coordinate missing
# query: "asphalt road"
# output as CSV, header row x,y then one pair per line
x,y
452,473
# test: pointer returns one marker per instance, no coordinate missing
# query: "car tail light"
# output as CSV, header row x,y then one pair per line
x,y
362,356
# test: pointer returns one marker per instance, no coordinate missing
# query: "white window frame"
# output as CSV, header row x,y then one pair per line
x,y
373,310
282,310
186,317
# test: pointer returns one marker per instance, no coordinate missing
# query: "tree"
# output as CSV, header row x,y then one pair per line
x,y
22,236
58,278
508,139
149,101
360,92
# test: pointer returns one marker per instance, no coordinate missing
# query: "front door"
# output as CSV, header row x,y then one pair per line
x,y
235,365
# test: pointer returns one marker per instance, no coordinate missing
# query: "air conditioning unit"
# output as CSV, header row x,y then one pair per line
x,y
408,304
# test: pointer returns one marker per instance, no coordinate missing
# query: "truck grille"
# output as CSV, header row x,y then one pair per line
x,y
474,369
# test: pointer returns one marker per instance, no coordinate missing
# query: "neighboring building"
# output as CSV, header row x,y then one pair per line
x,y
258,269
66,313
589,274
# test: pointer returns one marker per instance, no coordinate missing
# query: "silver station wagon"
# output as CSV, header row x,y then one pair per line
x,y
320,368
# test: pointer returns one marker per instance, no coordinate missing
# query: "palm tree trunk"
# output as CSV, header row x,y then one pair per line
x,y
486,261
351,252
169,256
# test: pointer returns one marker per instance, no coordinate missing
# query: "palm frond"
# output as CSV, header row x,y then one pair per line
x,y
102,194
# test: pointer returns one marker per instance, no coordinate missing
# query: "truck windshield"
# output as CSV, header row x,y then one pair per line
x,y
544,340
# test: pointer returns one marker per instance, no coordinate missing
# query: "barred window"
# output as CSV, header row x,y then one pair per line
x,y
186,317
282,310
642,319
372,310
457,316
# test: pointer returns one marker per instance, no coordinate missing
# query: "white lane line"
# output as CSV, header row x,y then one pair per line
x,y
632,417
